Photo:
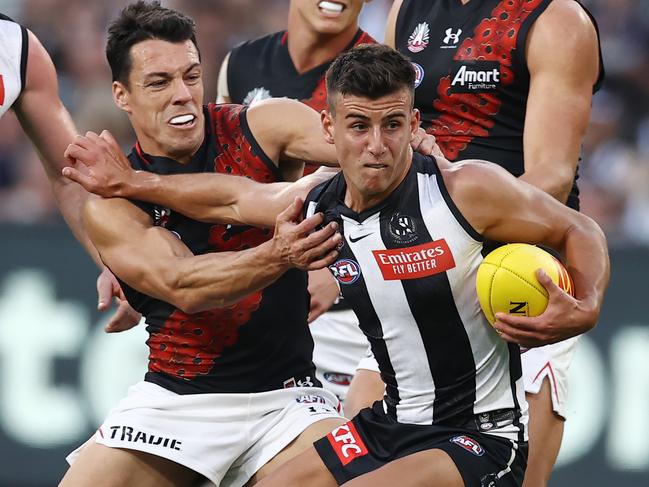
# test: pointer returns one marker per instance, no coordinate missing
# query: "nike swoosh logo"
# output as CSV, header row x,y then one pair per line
x,y
354,240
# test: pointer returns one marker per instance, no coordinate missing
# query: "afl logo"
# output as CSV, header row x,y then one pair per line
x,y
346,271
469,444
419,74
403,228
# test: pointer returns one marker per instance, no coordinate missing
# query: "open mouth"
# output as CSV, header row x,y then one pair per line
x,y
331,8
186,120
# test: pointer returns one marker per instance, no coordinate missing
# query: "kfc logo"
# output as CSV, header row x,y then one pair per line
x,y
346,442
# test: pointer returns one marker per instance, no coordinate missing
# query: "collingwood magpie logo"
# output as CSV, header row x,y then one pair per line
x,y
256,95
403,228
475,77
452,38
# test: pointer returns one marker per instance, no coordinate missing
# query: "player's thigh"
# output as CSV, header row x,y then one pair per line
x,y
102,466
423,469
307,469
546,432
298,446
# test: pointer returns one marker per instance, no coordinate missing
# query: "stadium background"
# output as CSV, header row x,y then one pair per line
x,y
59,373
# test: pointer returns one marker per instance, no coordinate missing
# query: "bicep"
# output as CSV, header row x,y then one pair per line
x,y
563,60
299,136
505,209
40,111
142,256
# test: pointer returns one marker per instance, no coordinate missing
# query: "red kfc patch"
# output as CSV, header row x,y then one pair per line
x,y
347,443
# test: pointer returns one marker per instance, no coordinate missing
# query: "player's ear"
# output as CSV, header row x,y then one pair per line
x,y
120,96
415,120
326,118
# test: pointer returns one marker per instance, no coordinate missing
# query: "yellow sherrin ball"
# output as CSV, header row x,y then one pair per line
x,y
507,282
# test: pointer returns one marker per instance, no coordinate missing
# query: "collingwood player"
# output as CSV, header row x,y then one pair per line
x,y
454,412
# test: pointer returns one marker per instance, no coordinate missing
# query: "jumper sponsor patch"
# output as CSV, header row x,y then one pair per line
x,y
469,444
347,443
415,262
475,76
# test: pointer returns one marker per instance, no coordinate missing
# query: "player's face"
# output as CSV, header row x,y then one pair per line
x,y
164,98
372,139
328,16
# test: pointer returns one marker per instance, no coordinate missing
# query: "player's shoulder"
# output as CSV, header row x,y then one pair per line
x,y
472,177
568,20
258,45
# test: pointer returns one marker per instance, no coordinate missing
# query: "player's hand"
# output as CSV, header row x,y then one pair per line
x,y
425,144
124,317
323,290
565,317
98,164
299,244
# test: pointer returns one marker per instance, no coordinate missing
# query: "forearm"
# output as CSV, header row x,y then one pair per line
x,y
556,183
208,197
70,199
586,255
221,279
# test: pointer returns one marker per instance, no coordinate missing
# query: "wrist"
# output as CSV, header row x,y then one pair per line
x,y
138,184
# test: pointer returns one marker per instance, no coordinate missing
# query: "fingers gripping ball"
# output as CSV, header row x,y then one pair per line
x,y
506,280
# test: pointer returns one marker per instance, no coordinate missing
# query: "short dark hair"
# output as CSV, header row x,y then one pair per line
x,y
139,22
369,70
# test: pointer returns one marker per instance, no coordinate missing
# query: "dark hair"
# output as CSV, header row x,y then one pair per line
x,y
139,22
369,70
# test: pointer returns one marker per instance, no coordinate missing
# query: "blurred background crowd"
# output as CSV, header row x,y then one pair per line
x,y
614,173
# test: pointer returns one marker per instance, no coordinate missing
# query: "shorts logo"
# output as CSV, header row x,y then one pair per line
x,y
475,77
415,262
310,399
469,444
346,442
346,271
402,228
337,378
129,434
418,40
419,74
256,95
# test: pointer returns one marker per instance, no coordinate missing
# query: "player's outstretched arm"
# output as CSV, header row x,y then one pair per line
x,y
156,262
101,168
50,128
390,25
563,60
504,209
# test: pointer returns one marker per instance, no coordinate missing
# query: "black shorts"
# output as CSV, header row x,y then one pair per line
x,y
372,439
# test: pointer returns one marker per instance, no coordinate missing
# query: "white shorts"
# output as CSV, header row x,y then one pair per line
x,y
553,362
339,346
225,437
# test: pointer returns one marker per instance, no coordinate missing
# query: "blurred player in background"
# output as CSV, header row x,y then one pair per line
x,y
29,86
293,63
508,81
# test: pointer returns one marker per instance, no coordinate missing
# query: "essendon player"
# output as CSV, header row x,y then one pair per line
x,y
454,413
508,81
292,63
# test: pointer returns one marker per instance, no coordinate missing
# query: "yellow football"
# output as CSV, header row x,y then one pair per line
x,y
506,280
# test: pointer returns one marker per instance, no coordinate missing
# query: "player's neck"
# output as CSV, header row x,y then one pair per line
x,y
309,49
